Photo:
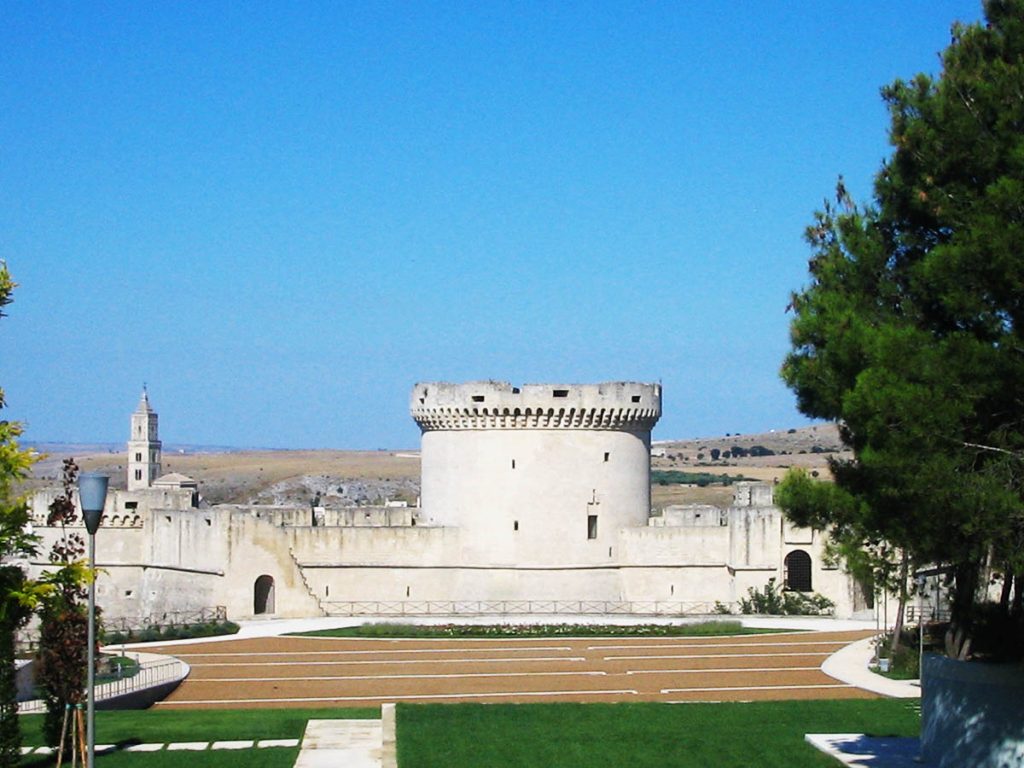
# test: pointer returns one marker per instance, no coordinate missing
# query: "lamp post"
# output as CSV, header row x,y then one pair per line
x,y
92,493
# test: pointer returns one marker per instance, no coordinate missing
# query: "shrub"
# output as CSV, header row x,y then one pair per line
x,y
156,633
773,600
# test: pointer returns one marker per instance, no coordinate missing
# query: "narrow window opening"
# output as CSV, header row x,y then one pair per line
x,y
635,398
513,463
327,590
606,455
132,505
515,390
591,526
407,591
609,551
138,457
560,393
515,525
138,474
167,518
478,398
208,522
672,589
127,593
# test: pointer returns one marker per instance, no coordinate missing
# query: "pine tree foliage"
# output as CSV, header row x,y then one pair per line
x,y
909,334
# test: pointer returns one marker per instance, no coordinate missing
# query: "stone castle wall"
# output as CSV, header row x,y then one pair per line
x,y
533,493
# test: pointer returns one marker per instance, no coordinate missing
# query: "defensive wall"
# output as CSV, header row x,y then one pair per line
x,y
533,493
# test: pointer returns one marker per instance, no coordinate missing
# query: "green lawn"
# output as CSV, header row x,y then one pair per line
x,y
152,726
734,735
751,735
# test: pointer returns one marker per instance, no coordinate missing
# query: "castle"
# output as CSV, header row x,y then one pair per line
x,y
535,499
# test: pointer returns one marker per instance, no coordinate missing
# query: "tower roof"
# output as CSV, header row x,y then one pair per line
x,y
144,406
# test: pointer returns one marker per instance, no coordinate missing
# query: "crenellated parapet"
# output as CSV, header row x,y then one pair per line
x,y
619,405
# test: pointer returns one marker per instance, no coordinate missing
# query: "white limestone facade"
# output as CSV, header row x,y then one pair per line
x,y
531,495
536,476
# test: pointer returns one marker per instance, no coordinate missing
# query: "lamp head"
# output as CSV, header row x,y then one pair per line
x,y
92,492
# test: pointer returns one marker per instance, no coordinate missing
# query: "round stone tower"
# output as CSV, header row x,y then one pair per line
x,y
538,476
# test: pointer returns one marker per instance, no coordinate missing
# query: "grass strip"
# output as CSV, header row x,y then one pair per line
x,y
277,757
394,629
160,726
726,735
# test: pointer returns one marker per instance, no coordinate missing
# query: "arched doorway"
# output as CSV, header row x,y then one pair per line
x,y
263,595
798,571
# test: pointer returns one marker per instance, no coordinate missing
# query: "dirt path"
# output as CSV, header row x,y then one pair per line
x,y
310,672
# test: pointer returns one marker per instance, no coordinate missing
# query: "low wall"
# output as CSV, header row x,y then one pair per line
x,y
971,714
157,677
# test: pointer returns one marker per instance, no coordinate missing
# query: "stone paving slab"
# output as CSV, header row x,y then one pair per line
x,y
264,743
181,746
188,746
232,744
331,743
144,748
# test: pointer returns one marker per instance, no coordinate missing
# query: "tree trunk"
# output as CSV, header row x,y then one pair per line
x,y
901,608
961,624
1004,595
1017,606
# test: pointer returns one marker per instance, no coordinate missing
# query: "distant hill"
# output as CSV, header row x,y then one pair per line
x,y
234,475
805,446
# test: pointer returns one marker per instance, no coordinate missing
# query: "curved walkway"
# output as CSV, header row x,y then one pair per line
x,y
850,664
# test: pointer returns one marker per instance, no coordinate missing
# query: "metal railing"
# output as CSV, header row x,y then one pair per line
x,y
149,675
166,619
516,608
931,614
26,641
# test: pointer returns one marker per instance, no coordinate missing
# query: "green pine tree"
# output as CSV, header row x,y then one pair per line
x,y
909,334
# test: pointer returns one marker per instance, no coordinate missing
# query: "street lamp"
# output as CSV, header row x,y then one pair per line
x,y
92,493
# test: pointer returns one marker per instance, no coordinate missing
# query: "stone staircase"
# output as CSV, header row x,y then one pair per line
x,y
309,589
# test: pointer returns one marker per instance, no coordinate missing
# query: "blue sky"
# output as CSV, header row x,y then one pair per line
x,y
281,216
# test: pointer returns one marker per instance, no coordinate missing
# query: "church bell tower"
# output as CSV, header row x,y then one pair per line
x,y
143,446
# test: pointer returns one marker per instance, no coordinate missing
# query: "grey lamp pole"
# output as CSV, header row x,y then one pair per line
x,y
92,492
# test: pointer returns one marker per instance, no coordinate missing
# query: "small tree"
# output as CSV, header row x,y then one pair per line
x,y
64,622
872,561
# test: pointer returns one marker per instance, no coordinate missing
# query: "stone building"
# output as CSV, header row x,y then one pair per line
x,y
535,499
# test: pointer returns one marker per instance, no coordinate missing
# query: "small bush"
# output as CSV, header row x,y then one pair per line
x,y
535,630
773,600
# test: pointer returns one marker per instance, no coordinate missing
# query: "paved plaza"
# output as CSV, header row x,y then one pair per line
x,y
309,672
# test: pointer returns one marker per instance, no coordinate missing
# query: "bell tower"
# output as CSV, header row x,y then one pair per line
x,y
143,446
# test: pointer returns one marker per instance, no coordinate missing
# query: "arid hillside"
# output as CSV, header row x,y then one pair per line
x,y
371,477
